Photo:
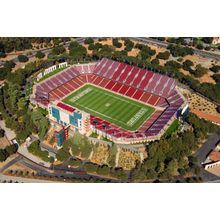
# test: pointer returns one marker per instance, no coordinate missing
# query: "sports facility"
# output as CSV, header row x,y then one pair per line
x,y
114,108
125,103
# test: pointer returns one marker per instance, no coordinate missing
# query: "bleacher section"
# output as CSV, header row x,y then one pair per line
x,y
139,84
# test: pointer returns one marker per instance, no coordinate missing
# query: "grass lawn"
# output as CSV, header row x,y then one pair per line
x,y
52,73
173,127
109,106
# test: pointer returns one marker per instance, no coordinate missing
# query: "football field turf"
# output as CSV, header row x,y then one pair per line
x,y
110,107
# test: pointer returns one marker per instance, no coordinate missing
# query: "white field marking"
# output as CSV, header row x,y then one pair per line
x,y
99,113
123,99
86,91
137,116
81,94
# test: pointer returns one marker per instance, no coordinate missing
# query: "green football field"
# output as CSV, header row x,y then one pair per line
x,y
110,107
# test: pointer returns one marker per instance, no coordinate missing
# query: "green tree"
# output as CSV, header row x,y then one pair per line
x,y
155,62
75,162
63,154
22,58
21,103
103,170
76,51
41,123
39,55
207,40
58,50
215,69
116,43
163,55
90,167
88,40
2,132
3,155
128,44
200,70
9,65
187,64
11,149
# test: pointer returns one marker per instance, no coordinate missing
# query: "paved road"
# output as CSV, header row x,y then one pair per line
x,y
207,176
164,44
62,172
10,134
214,181
15,160
209,145
21,179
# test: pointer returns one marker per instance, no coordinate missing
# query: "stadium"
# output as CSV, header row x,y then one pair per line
x,y
121,102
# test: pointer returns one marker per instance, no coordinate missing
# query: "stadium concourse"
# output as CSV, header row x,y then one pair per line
x,y
141,85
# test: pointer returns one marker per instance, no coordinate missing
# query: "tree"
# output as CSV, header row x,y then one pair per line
x,y
146,52
90,167
58,50
116,43
76,51
3,73
218,109
103,170
163,55
187,64
200,71
216,77
155,62
215,68
200,46
41,123
9,65
3,155
173,64
207,40
128,44
2,133
75,162
22,58
172,167
88,40
177,50
63,154
2,50
39,55
11,149
22,135
21,103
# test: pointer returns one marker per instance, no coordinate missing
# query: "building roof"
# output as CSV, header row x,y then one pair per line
x,y
65,107
214,155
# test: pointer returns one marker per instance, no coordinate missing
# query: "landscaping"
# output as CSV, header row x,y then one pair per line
x,y
36,150
172,128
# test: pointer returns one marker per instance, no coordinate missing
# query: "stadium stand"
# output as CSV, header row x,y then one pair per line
x,y
139,84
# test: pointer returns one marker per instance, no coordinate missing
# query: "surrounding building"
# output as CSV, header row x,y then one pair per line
x,y
213,158
50,67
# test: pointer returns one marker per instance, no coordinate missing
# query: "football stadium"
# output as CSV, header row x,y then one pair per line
x,y
121,102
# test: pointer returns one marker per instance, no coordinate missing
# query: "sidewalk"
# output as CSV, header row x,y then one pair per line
x,y
8,132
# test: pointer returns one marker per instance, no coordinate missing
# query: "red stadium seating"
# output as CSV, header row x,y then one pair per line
x,y
140,84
